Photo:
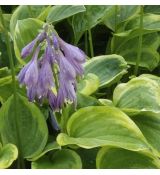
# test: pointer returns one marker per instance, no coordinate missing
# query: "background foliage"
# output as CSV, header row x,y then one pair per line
x,y
117,120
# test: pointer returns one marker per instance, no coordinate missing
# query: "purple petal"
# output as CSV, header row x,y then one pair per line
x,y
71,51
50,53
45,79
55,42
31,74
31,93
28,49
65,66
41,36
52,100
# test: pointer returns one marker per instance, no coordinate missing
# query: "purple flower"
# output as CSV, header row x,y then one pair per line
x,y
31,92
74,55
50,52
45,78
28,49
72,52
62,58
29,74
65,67
55,42
52,99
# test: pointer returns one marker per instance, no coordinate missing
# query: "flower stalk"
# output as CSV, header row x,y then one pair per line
x,y
139,53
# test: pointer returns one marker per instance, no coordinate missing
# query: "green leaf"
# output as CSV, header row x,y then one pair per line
x,y
49,147
89,84
106,102
4,71
149,124
126,45
88,19
117,158
124,13
7,18
60,12
84,101
152,9
129,97
100,126
24,12
62,159
150,22
5,88
8,154
25,33
109,68
88,157
152,77
25,127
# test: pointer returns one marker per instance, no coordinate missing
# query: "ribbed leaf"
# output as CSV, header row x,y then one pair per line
x,y
60,12
117,158
109,68
62,159
25,127
100,126
126,45
139,94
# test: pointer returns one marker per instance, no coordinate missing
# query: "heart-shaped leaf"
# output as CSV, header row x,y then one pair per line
x,y
60,12
149,124
23,125
118,158
129,97
108,68
118,14
8,154
126,45
150,22
62,159
100,126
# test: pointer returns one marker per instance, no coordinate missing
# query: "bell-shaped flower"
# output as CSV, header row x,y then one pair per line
x,y
66,92
74,55
45,78
50,52
52,100
29,74
72,52
28,49
31,92
65,67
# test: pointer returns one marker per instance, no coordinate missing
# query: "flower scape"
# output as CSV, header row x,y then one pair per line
x,y
79,87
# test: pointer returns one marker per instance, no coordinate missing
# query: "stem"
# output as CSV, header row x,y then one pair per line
x,y
139,42
86,43
115,28
20,163
90,42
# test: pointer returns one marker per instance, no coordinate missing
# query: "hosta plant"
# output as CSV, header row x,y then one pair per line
x,y
79,87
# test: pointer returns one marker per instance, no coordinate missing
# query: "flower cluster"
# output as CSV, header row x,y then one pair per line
x,y
51,74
